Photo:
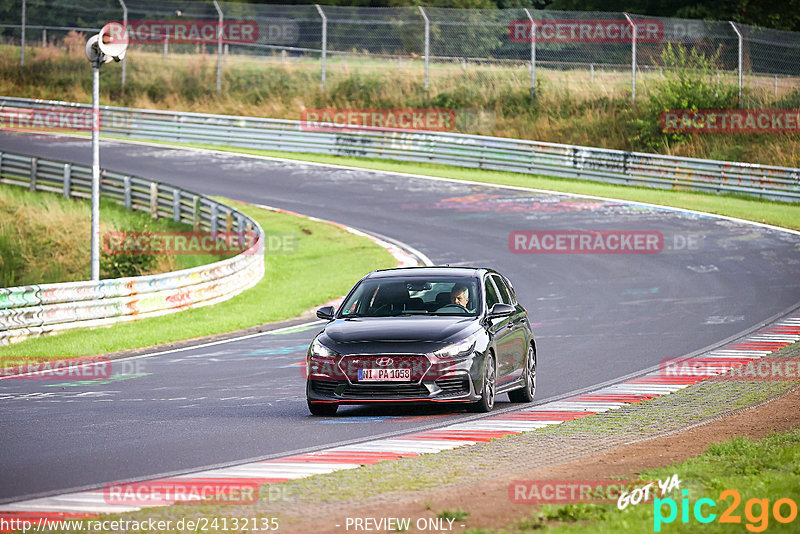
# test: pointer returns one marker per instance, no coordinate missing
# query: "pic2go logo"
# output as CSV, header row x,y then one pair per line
x,y
756,511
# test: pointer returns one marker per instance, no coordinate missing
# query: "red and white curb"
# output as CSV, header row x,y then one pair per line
x,y
649,386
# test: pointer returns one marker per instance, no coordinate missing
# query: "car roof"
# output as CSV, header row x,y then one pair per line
x,y
429,271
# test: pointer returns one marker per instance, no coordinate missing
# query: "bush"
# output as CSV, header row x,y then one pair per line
x,y
690,84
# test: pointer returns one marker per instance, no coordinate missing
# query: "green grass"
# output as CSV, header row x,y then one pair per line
x,y
569,106
327,262
456,515
765,469
44,239
763,211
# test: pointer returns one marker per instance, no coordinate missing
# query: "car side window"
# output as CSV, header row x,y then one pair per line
x,y
491,294
501,288
510,290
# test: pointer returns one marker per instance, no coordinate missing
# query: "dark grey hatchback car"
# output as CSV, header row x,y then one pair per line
x,y
423,334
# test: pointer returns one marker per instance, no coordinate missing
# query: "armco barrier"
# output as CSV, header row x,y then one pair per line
x,y
48,308
495,153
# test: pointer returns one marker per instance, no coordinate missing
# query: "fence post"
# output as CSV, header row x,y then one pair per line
x,y
34,172
324,42
196,214
214,215
533,53
124,25
176,205
154,199
633,57
739,36
22,42
44,37
427,44
126,182
67,179
219,47
166,46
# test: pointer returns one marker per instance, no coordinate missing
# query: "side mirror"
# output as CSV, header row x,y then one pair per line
x,y
500,310
326,312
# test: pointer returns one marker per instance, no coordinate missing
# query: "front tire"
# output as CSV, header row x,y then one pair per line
x,y
528,391
319,408
489,387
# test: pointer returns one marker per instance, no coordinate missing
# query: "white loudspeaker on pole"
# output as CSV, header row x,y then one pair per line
x,y
109,45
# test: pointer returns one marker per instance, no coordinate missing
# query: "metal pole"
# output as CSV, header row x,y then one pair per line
x,y
324,42
125,25
739,35
533,53
427,44
96,170
633,58
22,49
44,37
219,48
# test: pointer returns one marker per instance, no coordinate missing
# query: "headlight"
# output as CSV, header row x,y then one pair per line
x,y
320,350
461,349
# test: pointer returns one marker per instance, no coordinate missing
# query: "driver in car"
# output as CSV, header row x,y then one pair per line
x,y
459,295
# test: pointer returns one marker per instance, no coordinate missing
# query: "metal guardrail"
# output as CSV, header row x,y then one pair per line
x,y
483,152
36,310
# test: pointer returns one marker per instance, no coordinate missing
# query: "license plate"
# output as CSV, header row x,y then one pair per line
x,y
384,375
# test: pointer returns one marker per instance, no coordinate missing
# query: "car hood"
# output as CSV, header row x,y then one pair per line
x,y
437,329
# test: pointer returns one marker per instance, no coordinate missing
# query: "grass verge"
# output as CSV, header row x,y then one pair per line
x,y
43,239
291,285
782,214
760,472
571,106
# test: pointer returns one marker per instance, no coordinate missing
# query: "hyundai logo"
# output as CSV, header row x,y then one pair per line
x,y
384,361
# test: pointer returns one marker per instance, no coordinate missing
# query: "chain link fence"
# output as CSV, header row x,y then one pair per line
x,y
607,51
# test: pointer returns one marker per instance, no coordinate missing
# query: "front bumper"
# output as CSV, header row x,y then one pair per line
x,y
455,387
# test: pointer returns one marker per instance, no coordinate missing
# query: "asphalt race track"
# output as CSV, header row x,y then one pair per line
x,y
597,317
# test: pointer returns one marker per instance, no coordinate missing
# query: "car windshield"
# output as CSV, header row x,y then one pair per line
x,y
384,297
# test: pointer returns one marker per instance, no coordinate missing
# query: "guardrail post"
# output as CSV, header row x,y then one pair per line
x,y
67,179
427,44
154,199
239,222
214,215
176,205
126,184
739,67
633,57
34,172
219,47
196,213
1,166
324,41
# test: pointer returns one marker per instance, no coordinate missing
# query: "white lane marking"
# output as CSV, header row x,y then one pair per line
x,y
179,349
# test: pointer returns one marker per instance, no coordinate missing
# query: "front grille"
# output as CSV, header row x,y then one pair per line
x,y
386,391
418,363
453,386
324,387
